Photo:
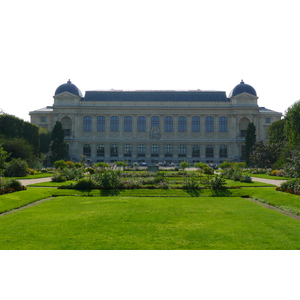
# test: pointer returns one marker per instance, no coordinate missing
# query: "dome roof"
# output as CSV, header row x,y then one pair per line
x,y
242,88
68,87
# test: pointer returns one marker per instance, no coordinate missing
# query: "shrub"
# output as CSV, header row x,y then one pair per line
x,y
14,184
217,186
31,171
190,183
70,164
60,164
225,165
109,179
85,184
58,177
16,167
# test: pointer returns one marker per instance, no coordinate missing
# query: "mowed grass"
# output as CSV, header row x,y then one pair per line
x,y
148,223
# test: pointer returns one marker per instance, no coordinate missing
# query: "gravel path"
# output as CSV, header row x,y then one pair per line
x,y
26,182
269,181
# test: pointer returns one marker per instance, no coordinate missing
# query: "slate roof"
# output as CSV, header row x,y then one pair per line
x,y
138,96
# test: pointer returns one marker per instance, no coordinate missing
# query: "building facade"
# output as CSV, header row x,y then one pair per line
x,y
156,126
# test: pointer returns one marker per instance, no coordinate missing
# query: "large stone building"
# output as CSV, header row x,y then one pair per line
x,y
156,126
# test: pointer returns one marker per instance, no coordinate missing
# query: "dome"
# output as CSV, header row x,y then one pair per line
x,y
68,87
242,88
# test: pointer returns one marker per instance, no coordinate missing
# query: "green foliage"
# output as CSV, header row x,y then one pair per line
x,y
58,147
3,156
200,166
191,183
184,165
58,177
60,164
12,127
250,140
292,124
224,165
16,168
217,186
109,179
45,140
276,132
292,168
102,165
85,184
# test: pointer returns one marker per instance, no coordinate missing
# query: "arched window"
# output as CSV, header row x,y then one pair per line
x,y
195,124
182,151
114,123
87,123
168,150
100,123
223,124
127,123
168,124
127,150
209,124
87,150
154,121
154,150
181,124
141,150
100,150
141,124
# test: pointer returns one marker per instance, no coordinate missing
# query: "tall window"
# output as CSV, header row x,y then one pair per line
x,y
195,151
182,124
223,151
182,151
141,150
155,121
114,123
168,150
141,124
100,123
87,150
223,124
127,150
87,123
100,150
168,124
113,150
127,123
209,124
209,151
195,124
154,150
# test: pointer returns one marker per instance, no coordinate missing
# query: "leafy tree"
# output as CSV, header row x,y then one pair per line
x,y
184,165
293,165
58,147
292,124
19,148
276,132
45,140
264,156
16,167
250,140
3,156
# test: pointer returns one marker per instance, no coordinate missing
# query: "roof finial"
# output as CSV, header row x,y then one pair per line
x,y
242,81
69,81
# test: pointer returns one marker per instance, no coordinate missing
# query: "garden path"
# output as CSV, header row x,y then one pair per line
x,y
26,182
269,181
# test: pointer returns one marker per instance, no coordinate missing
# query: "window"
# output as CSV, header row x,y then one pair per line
x,y
67,132
141,124
113,150
141,150
223,151
101,123
154,151
43,119
223,124
243,133
169,124
128,124
168,150
268,120
154,121
209,151
100,150
195,124
195,151
114,123
127,150
87,123
87,150
182,124
182,151
209,124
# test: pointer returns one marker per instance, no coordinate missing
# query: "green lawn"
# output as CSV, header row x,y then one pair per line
x,y
148,223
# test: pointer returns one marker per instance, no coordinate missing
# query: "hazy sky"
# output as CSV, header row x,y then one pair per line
x,y
209,45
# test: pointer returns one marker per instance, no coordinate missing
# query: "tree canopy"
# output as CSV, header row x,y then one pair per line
x,y
250,140
58,147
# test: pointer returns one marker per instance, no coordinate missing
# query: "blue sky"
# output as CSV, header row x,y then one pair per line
x,y
209,45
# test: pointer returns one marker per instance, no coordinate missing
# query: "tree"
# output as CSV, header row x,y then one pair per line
x,y
19,148
292,124
184,165
250,140
58,147
3,156
276,132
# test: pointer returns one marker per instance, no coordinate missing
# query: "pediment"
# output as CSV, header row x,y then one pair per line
x,y
65,95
